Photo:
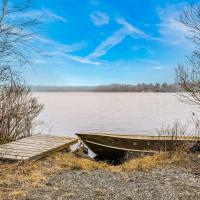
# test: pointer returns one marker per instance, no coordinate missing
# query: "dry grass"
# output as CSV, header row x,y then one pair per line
x,y
17,179
149,162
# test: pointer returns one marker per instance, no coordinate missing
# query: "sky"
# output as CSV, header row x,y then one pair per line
x,y
94,42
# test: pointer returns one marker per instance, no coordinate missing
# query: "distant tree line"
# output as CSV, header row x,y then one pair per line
x,y
157,87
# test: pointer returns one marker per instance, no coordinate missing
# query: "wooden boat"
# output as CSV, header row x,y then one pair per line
x,y
112,145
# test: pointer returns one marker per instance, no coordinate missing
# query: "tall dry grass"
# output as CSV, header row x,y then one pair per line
x,y
149,162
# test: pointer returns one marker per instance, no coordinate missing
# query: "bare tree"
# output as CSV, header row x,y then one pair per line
x,y
18,108
188,74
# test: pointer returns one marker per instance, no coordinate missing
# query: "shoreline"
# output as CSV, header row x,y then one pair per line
x,y
66,176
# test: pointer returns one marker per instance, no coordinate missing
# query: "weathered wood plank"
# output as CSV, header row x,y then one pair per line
x,y
24,149
15,157
49,136
18,153
42,140
37,142
40,143
22,153
34,147
32,143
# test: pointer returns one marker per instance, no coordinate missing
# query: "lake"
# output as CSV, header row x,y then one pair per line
x,y
130,113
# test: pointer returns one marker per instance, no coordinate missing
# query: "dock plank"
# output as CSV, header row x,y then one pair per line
x,y
27,146
34,147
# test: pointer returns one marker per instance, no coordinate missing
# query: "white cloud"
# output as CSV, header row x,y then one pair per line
x,y
157,67
99,18
61,47
116,38
171,30
52,48
142,47
75,58
71,47
42,15
83,60
151,63
46,54
54,16
61,54
39,61
129,28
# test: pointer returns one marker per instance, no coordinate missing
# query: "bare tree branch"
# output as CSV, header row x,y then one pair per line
x,y
188,74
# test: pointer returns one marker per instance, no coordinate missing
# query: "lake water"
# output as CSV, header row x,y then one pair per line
x,y
129,113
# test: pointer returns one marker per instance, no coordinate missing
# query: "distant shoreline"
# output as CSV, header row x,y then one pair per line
x,y
157,88
39,91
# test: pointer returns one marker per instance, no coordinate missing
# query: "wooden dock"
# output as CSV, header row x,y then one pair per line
x,y
34,147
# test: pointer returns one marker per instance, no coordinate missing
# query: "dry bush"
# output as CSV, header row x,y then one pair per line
x,y
177,131
174,132
18,110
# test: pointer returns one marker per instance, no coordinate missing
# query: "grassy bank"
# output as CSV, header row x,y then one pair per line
x,y
19,178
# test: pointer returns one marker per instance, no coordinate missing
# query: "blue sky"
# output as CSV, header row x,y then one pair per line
x,y
91,42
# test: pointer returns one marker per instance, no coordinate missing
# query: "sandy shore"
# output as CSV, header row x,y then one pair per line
x,y
161,183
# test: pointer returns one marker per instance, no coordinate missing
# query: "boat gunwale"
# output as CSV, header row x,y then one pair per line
x,y
143,137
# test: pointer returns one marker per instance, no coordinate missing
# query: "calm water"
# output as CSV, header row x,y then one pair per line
x,y
136,113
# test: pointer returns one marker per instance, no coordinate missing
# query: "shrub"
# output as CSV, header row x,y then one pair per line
x,y
18,110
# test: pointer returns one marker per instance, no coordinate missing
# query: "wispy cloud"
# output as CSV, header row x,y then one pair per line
x,y
143,47
58,50
129,28
75,58
171,30
39,61
157,68
99,18
151,63
83,60
42,15
116,38
60,46
54,16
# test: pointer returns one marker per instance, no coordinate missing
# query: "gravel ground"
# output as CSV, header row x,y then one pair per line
x,y
167,184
